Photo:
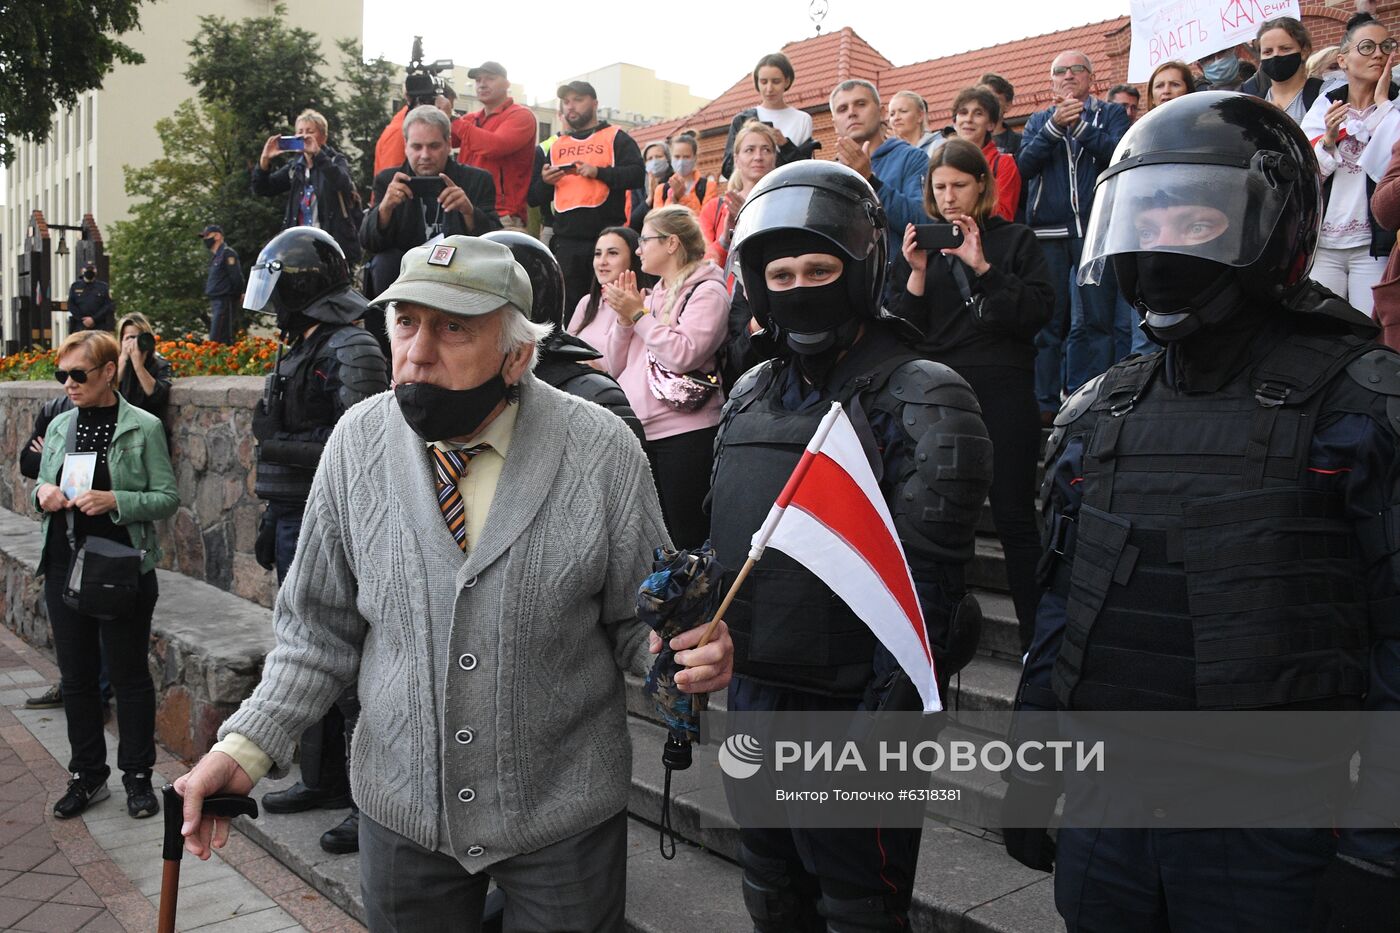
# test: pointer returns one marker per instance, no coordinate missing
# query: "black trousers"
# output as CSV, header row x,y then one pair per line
x,y
680,467
575,256
1012,416
81,642
876,864
223,318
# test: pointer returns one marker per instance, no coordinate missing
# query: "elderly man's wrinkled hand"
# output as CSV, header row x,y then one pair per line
x,y
706,669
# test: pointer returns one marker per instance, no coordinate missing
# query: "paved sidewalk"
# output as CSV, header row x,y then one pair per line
x,y
102,873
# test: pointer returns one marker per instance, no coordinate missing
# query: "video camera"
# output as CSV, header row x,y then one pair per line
x,y
422,83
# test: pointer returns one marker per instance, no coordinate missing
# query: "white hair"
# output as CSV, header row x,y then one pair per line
x,y
517,330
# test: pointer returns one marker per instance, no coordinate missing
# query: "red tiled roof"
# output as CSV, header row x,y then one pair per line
x,y
1023,62
820,63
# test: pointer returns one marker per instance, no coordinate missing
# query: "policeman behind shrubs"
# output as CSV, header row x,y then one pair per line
x,y
302,276
810,243
1222,532
563,358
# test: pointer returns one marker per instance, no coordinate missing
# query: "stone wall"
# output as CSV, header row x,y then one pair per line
x,y
207,646
211,537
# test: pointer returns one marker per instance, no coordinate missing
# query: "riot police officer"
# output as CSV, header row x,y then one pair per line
x,y
302,277
1221,531
563,358
90,304
811,249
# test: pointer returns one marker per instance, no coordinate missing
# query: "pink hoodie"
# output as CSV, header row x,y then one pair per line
x,y
681,345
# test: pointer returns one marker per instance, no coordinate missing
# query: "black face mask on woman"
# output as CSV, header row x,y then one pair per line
x,y
1281,67
436,414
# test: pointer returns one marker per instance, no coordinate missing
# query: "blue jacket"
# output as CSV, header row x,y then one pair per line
x,y
899,171
225,279
1049,155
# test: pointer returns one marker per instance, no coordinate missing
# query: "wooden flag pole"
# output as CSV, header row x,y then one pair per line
x,y
728,600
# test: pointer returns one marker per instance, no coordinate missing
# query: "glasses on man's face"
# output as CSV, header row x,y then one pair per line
x,y
1368,46
657,236
1060,71
79,375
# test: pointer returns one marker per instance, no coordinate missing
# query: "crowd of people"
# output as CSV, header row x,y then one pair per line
x,y
960,289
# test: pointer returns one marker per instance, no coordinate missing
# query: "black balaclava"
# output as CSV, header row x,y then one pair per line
x,y
815,322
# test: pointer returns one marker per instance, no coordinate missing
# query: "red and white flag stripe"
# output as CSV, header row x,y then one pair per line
x,y
832,519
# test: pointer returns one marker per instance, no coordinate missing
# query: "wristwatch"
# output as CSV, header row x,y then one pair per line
x,y
639,315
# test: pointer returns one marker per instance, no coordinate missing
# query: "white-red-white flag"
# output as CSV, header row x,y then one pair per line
x,y
832,519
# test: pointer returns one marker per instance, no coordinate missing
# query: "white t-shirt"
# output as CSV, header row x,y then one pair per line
x,y
795,124
1347,222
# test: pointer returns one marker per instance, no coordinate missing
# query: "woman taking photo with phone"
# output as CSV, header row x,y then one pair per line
x,y
772,77
105,473
661,350
614,253
979,303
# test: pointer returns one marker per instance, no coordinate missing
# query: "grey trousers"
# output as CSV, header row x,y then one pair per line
x,y
576,885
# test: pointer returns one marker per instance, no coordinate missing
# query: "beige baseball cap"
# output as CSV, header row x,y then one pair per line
x,y
462,275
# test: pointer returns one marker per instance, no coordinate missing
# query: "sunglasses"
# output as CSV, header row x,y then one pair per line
x,y
79,375
1368,46
1061,70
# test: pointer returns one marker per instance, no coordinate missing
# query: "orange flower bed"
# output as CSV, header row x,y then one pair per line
x,y
188,356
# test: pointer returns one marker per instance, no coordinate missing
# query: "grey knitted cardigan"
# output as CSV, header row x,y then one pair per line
x,y
490,684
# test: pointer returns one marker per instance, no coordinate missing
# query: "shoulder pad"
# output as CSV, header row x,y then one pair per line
x,y
360,363
1080,402
589,384
748,383
1377,371
924,382
352,337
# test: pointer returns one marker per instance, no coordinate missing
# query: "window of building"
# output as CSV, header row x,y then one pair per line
x,y
92,105
91,204
78,124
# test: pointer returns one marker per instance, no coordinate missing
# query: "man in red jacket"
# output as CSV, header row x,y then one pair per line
x,y
500,138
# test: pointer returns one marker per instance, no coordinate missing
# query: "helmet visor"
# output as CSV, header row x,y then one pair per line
x,y
838,218
1223,213
262,281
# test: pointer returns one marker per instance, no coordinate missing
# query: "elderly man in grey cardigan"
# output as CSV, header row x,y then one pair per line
x,y
470,557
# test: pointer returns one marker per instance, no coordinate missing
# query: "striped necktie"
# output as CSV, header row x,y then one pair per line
x,y
450,466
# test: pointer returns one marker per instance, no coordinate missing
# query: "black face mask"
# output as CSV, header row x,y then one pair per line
x,y
1180,294
1281,67
88,276
811,317
436,414
209,244
292,324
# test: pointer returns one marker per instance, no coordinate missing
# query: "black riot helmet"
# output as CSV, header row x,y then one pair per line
x,y
295,270
824,200
1211,200
542,269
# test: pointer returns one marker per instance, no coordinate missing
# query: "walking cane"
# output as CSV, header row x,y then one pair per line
x,y
222,806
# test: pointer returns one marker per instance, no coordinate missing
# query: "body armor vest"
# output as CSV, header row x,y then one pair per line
x,y
1206,574
307,413
788,627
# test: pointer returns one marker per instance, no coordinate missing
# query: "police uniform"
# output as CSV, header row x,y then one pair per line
x,y
1221,532
797,646
90,299
303,275
223,285
563,358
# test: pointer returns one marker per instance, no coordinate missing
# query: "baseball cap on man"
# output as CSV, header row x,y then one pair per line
x,y
462,275
211,228
576,87
487,68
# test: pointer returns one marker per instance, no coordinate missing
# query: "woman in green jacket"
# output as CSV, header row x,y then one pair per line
x,y
120,493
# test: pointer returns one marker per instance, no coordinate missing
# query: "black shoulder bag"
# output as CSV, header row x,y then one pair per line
x,y
103,575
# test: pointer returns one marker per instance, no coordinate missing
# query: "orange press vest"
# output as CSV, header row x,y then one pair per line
x,y
573,191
